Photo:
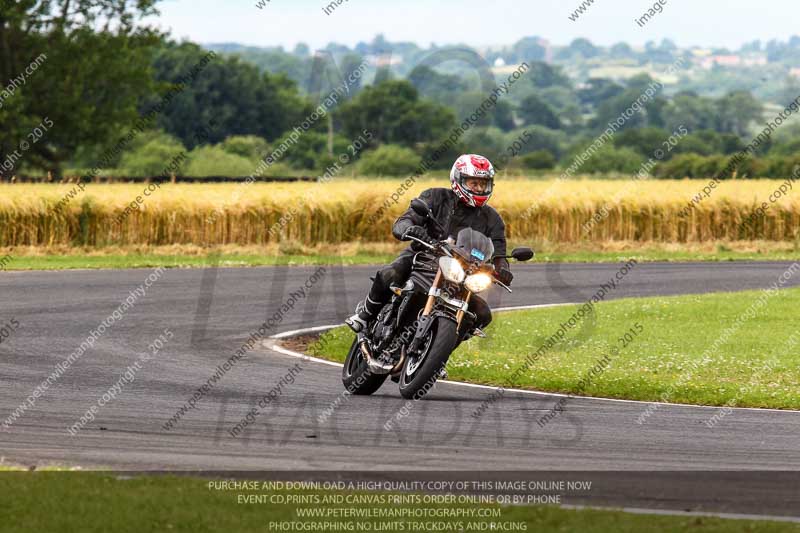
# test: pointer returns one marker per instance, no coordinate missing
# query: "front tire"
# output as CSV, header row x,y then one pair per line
x,y
356,377
416,382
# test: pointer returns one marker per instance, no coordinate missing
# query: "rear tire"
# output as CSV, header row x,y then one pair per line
x,y
442,344
356,377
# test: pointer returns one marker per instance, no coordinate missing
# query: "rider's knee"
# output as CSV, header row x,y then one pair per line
x,y
386,277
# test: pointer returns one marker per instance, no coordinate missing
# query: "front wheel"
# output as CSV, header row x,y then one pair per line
x,y
356,377
421,371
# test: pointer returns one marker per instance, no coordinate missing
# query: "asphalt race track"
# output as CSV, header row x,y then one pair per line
x,y
211,313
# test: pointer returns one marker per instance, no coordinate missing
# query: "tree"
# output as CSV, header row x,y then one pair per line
x,y
690,110
539,160
439,87
500,115
150,158
736,111
583,47
302,50
644,140
650,113
610,159
310,150
543,75
206,161
238,98
249,146
89,100
598,90
276,61
394,113
527,49
489,142
389,160
534,111
538,138
349,65
503,115
622,51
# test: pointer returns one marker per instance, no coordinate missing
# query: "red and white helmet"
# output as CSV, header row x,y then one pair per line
x,y
472,166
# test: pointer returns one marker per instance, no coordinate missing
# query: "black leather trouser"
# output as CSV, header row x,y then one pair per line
x,y
396,273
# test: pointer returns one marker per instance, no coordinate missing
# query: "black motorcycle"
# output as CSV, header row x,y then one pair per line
x,y
414,334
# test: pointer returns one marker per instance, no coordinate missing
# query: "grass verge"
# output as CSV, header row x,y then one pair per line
x,y
697,349
183,256
95,502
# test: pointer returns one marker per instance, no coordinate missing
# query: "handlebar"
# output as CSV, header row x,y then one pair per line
x,y
444,246
438,245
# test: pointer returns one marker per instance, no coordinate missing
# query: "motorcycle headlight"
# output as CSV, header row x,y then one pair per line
x,y
451,269
478,282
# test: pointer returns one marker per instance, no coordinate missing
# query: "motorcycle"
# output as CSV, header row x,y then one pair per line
x,y
413,335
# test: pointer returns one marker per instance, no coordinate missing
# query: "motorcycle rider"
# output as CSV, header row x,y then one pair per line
x,y
463,205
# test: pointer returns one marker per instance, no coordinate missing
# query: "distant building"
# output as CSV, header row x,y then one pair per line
x,y
708,62
384,60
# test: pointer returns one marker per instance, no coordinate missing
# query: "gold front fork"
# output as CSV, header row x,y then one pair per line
x,y
431,297
460,312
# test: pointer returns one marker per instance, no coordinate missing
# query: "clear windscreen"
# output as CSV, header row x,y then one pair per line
x,y
474,245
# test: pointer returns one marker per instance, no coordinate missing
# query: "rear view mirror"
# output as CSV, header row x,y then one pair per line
x,y
522,254
420,207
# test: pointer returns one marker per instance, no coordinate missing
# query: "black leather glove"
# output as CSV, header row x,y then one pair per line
x,y
417,231
504,276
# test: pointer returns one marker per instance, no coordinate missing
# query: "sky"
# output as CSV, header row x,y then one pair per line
x,y
721,23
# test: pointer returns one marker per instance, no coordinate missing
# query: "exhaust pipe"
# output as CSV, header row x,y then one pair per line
x,y
375,366
399,366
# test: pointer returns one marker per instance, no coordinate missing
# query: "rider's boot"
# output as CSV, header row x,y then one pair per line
x,y
366,312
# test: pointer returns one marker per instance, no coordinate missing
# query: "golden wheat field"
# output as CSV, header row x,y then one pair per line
x,y
349,210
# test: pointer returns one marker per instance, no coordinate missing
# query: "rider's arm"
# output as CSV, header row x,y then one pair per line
x,y
497,233
410,218
498,236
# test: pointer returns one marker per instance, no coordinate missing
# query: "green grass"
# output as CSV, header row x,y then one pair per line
x,y
95,502
755,366
152,260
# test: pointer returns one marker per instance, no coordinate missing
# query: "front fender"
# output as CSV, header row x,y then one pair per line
x,y
424,324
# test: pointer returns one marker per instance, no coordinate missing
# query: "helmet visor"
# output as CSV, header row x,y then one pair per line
x,y
478,186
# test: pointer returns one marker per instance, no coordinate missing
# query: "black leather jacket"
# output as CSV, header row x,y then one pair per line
x,y
455,215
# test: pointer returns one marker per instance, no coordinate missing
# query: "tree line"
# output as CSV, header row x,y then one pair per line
x,y
104,71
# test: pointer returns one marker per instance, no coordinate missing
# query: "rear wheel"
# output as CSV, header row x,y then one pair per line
x,y
356,377
421,371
